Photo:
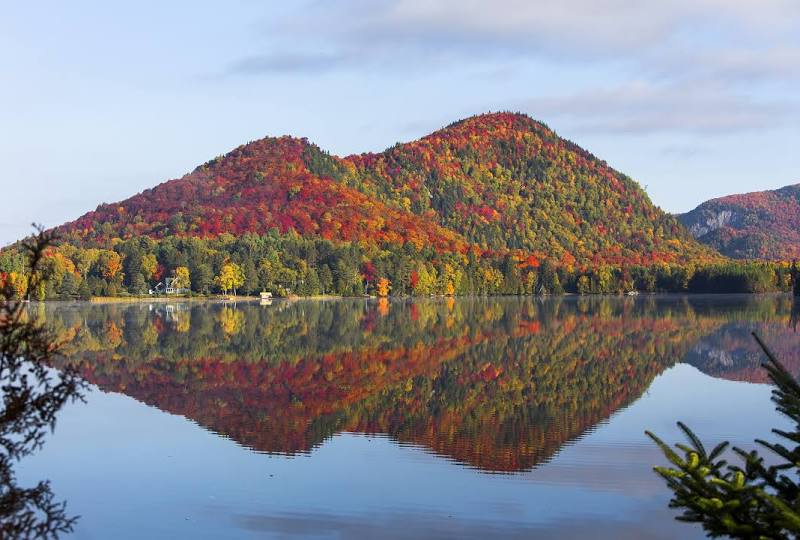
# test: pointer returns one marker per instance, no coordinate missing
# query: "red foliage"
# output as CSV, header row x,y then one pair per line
x,y
223,197
368,272
492,183
763,225
414,280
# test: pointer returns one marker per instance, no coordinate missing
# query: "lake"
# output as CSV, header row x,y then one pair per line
x,y
435,418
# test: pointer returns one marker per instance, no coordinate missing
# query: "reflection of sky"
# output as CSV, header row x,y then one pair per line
x,y
131,472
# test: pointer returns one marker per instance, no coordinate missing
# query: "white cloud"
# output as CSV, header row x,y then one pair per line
x,y
698,66
643,107
581,28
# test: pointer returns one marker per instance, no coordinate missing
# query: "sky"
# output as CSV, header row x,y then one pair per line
x,y
694,99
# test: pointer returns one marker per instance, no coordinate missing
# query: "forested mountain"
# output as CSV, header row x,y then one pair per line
x,y
496,182
760,225
494,204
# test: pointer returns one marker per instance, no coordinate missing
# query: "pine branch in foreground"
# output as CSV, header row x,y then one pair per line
x,y
751,500
31,395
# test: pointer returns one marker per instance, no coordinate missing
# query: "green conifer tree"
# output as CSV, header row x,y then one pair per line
x,y
753,500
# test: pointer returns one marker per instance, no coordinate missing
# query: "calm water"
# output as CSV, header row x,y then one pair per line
x,y
467,418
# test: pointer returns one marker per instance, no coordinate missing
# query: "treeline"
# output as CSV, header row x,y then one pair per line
x,y
291,264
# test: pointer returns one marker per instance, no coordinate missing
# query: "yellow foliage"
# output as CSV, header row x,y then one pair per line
x,y
182,280
149,266
230,277
231,321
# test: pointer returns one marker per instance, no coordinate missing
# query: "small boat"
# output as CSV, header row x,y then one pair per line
x,y
266,296
632,293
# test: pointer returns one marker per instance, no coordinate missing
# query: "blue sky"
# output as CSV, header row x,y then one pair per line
x,y
99,100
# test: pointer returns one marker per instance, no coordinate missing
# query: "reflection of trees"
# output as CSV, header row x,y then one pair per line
x,y
230,320
498,384
32,394
511,401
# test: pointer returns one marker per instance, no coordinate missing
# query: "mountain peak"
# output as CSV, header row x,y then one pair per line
x,y
492,121
282,147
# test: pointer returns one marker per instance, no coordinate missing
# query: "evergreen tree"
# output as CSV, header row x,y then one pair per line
x,y
69,286
325,279
749,501
138,285
84,292
33,394
202,278
251,282
311,281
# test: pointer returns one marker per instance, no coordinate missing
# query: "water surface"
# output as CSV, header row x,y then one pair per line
x,y
441,418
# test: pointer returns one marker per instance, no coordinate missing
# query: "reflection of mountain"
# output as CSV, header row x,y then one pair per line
x,y
732,353
512,401
499,385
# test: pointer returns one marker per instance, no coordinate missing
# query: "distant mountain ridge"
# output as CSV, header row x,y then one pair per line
x,y
758,225
491,184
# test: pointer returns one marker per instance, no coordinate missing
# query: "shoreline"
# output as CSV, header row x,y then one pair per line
x,y
328,297
196,298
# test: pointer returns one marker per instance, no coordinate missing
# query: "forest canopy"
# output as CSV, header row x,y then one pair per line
x,y
493,204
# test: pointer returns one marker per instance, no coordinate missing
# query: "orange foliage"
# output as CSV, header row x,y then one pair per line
x,y
488,185
383,286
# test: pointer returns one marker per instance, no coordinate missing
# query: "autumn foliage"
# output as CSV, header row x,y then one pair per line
x,y
498,385
494,184
760,225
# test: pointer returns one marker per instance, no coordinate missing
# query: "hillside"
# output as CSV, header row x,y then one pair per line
x,y
760,225
262,185
507,181
494,204
498,182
